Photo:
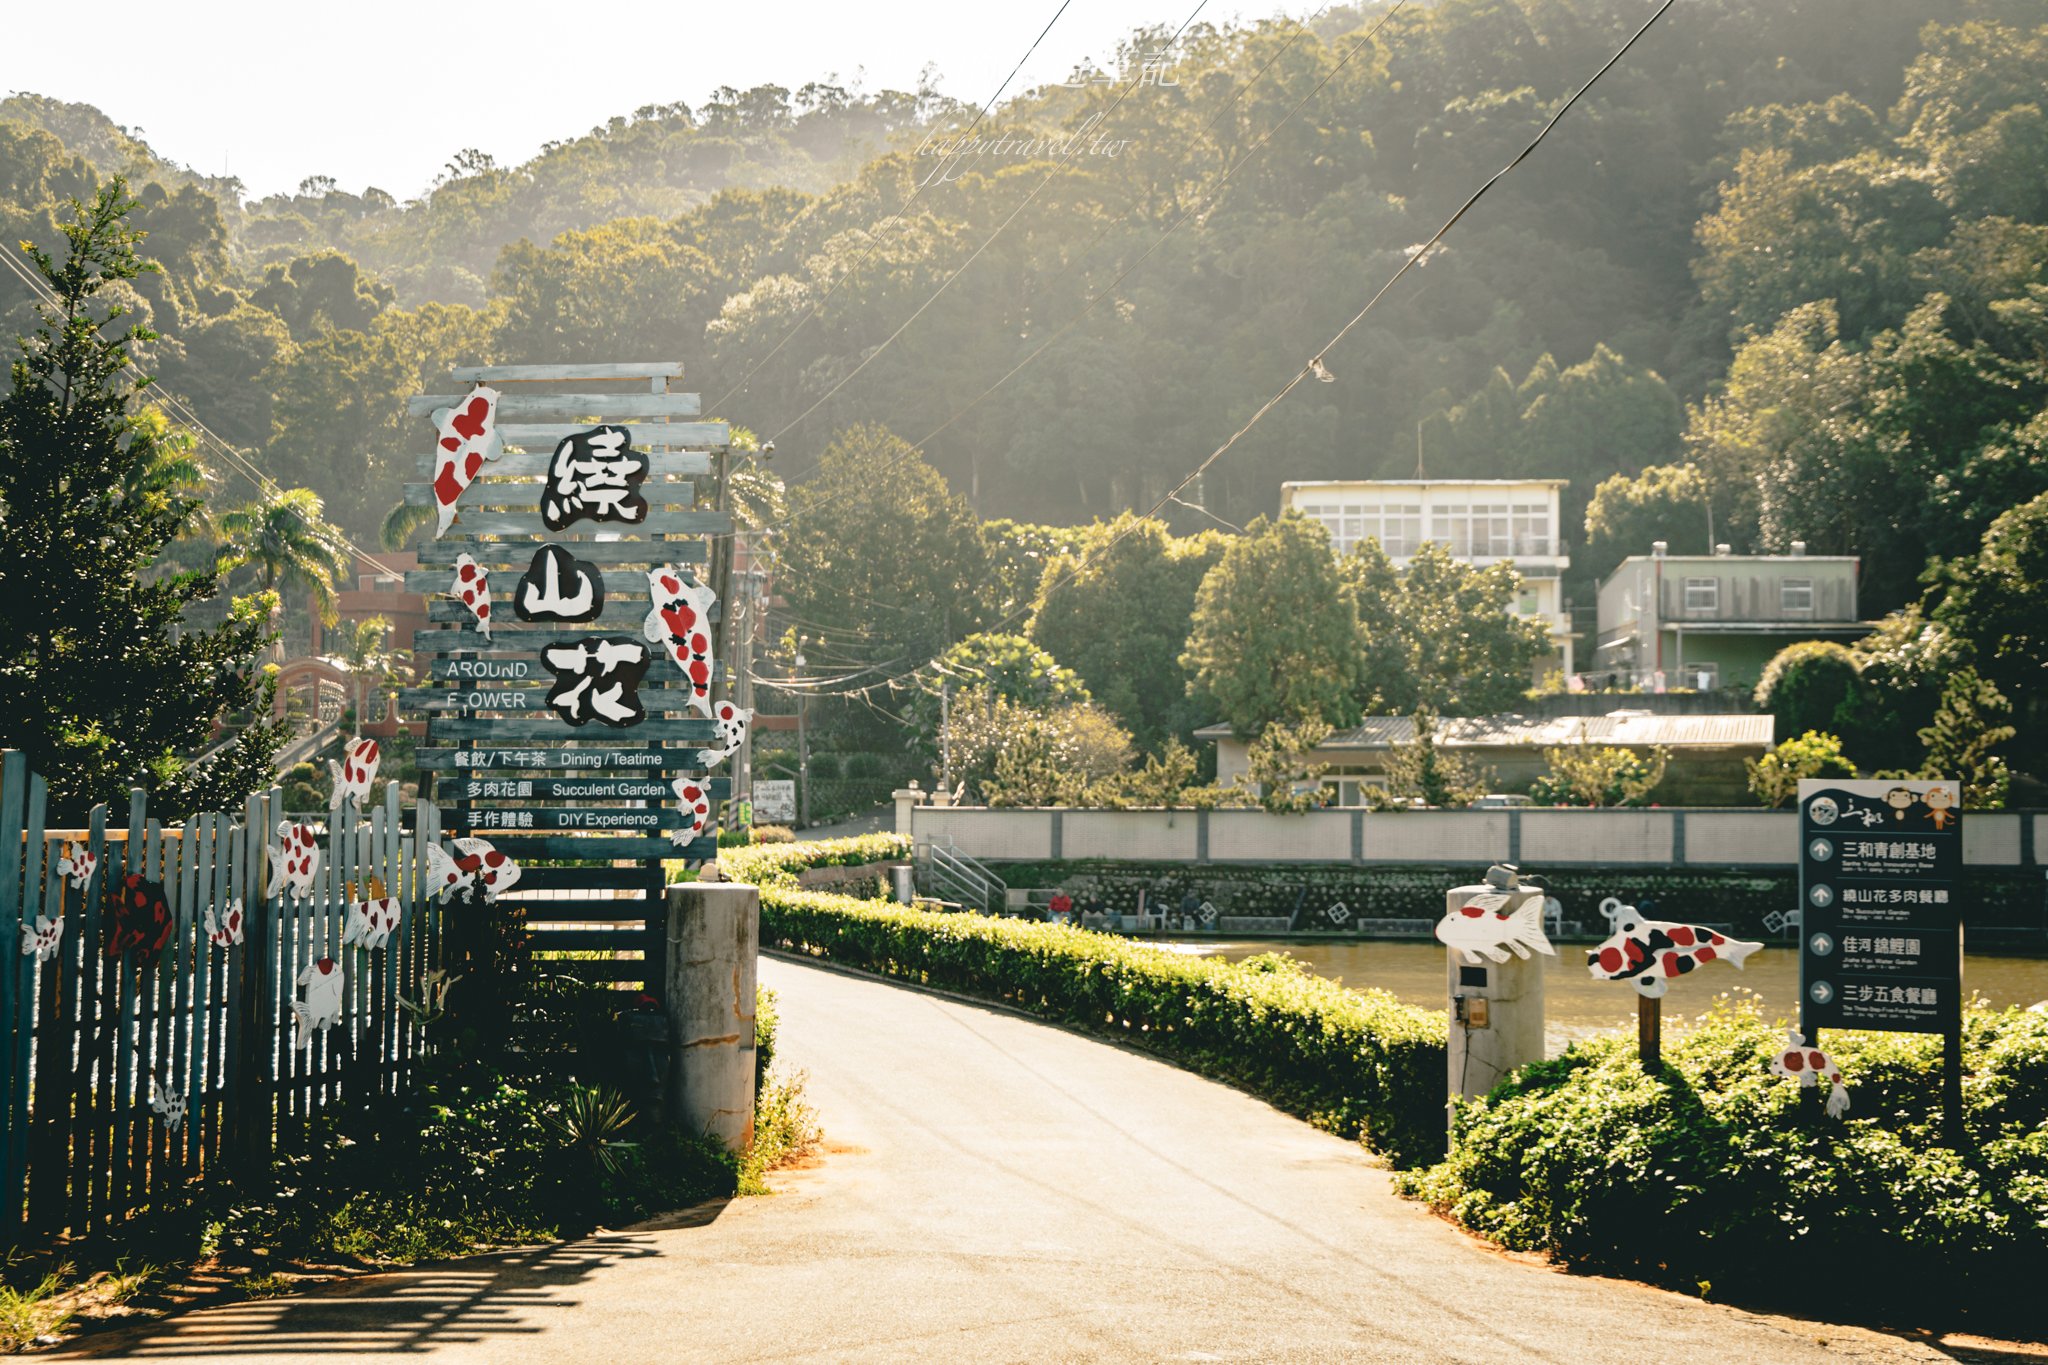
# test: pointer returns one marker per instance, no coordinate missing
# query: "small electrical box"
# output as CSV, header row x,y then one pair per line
x,y
1478,1012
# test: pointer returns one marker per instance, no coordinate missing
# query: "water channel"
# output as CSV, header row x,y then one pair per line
x,y
1576,1006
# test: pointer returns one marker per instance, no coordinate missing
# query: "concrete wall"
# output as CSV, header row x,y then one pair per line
x,y
1534,836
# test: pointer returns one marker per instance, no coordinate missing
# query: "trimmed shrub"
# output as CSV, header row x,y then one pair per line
x,y
766,864
1718,1174
1358,1063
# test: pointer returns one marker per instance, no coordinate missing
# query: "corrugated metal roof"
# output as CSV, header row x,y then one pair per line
x,y
1633,728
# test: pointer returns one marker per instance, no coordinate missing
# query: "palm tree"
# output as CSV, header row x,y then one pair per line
x,y
365,647
284,535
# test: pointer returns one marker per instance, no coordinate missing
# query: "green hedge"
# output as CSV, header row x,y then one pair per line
x,y
763,864
1717,1176
1359,1063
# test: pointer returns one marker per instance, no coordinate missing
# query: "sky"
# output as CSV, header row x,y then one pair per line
x,y
382,93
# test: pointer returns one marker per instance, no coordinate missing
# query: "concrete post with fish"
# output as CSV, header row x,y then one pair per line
x,y
1493,931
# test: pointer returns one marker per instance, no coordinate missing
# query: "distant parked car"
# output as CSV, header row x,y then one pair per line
x,y
1500,801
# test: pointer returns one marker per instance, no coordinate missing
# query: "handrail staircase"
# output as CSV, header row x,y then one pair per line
x,y
945,873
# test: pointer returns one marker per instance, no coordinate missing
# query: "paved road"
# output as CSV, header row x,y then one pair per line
x,y
998,1190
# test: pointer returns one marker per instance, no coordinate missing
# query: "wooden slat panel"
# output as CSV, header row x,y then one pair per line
x,y
573,878
491,698
569,407
646,823
519,845
556,730
550,374
682,448
618,610
555,758
660,521
568,788
486,666
505,493
500,554
13,824
628,582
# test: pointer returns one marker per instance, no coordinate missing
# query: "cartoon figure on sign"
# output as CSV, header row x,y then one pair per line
x,y
353,773
169,1106
557,586
1901,801
597,678
77,865
696,808
225,930
732,732
475,864
1647,953
40,940
319,1004
468,436
138,915
1490,922
370,922
1811,1066
1940,807
681,624
472,588
595,474
294,858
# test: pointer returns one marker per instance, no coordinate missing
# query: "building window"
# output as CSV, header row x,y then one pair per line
x,y
1532,529
1702,596
1525,601
1451,527
1795,597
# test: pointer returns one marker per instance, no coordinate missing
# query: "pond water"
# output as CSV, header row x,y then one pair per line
x,y
1575,1005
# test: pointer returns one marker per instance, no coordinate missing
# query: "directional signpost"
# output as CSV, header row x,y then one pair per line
x,y
1880,889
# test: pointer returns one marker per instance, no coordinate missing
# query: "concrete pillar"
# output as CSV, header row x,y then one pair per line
x,y
908,799
1496,1016
714,939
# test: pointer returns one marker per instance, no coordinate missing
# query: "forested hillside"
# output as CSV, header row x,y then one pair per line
x,y
1798,244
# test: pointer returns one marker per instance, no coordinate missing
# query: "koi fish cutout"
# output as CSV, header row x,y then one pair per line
x,y
169,1106
371,922
353,773
680,622
318,1007
732,732
468,435
472,588
294,859
1484,927
225,930
696,809
77,865
1648,953
475,863
41,939
138,917
1810,1066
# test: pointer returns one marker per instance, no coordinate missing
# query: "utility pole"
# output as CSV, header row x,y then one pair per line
x,y
945,733
803,744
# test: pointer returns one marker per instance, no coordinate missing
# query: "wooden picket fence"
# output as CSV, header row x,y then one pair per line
x,y
80,1143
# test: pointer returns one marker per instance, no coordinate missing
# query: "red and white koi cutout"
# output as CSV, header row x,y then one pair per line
x,y
1811,1066
474,863
468,435
318,1007
1648,953
167,1103
41,939
225,930
371,922
294,858
680,622
77,865
732,732
353,774
473,589
695,801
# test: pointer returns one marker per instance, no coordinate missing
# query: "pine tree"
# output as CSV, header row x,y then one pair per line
x,y
1968,725
101,682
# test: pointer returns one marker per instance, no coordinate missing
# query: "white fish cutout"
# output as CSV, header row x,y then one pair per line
x,y
473,589
467,436
41,939
732,732
169,1107
696,809
680,622
319,1006
1810,1066
353,773
294,858
474,863
1484,927
225,930
1648,953
371,922
77,866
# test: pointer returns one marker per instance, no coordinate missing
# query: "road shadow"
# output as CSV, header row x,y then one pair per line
x,y
463,1302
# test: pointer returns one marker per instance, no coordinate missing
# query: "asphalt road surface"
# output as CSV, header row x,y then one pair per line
x,y
995,1189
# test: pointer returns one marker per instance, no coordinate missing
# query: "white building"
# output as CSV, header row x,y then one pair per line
x,y
1480,521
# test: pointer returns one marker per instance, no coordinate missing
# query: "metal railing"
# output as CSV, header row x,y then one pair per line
x,y
946,873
